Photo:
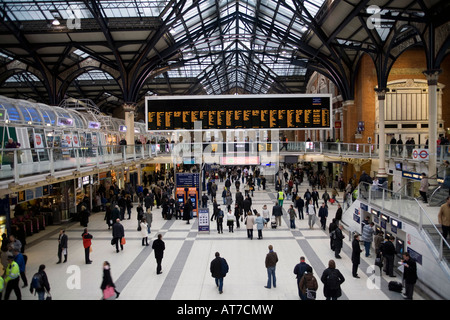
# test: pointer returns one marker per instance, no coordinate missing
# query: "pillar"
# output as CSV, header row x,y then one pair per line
x,y
349,120
129,109
381,93
432,79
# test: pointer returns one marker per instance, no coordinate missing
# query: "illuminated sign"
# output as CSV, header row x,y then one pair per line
x,y
123,128
64,122
239,160
271,111
94,125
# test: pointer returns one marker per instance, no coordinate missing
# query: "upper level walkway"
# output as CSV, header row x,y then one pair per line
x,y
22,166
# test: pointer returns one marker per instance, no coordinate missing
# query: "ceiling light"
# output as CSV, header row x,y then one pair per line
x,y
56,22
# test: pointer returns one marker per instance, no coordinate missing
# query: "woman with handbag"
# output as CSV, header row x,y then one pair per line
x,y
308,285
108,287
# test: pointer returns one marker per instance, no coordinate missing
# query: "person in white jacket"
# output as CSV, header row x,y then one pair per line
x,y
230,220
311,214
144,232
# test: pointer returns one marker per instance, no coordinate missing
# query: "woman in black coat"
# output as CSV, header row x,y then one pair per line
x,y
107,280
187,211
332,279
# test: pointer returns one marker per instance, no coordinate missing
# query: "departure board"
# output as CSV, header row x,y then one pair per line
x,y
296,111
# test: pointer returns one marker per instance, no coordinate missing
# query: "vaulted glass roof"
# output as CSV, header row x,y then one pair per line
x,y
116,51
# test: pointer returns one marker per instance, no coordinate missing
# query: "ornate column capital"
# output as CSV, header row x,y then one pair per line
x,y
381,93
129,107
432,76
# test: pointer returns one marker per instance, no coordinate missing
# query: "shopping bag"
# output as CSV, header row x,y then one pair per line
x,y
123,241
108,292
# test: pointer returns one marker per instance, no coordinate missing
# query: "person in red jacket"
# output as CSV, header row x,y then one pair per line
x,y
87,242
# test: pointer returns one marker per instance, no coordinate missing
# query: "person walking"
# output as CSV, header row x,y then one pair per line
x,y
338,238
444,218
20,259
367,236
292,216
107,282
308,285
311,212
332,279
144,231
259,225
40,283
271,262
219,269
187,208
149,218
299,204
280,198
230,221
409,275
12,277
249,222
62,245
158,247
388,251
118,233
265,215
333,226
423,190
87,243
356,251
299,271
323,214
338,215
277,212
237,215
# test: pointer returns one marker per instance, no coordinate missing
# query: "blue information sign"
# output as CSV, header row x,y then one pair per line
x,y
203,220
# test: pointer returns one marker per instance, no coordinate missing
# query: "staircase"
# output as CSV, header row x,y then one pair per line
x,y
436,239
438,196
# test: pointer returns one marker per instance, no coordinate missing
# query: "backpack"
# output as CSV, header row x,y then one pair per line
x,y
333,280
224,266
37,282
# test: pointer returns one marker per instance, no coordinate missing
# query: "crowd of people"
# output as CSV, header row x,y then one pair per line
x,y
238,209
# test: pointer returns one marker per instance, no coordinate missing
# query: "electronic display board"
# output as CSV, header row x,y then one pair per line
x,y
271,111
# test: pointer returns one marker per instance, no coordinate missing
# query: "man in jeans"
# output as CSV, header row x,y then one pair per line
x,y
219,269
271,262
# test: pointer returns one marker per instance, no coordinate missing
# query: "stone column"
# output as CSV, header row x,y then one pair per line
x,y
129,109
381,93
432,78
348,117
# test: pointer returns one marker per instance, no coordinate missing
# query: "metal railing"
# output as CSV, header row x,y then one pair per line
x,y
23,161
402,207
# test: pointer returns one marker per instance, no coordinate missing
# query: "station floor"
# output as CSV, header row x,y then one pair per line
x,y
187,258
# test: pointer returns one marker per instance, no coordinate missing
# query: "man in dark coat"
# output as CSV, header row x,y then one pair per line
x,y
409,275
277,212
337,241
62,245
388,251
219,269
187,211
356,251
118,233
323,214
159,246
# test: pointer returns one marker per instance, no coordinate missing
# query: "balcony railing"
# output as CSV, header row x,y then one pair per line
x,y
17,163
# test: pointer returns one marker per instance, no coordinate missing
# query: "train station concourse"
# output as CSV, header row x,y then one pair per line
x,y
250,151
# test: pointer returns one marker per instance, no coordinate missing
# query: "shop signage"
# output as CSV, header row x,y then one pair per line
x,y
411,175
420,154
